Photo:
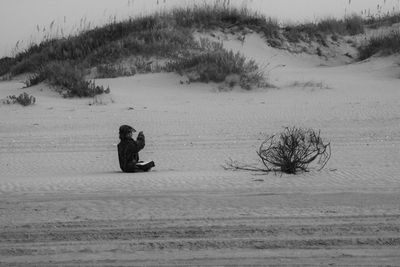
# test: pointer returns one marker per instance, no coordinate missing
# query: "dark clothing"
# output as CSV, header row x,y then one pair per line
x,y
128,153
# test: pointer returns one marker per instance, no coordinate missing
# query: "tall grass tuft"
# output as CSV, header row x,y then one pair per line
x,y
215,64
70,78
350,25
354,25
67,78
163,43
5,65
23,99
223,15
374,22
385,44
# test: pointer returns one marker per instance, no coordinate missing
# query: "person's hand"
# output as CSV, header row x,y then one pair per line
x,y
140,137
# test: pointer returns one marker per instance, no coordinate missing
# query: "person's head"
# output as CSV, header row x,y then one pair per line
x,y
125,131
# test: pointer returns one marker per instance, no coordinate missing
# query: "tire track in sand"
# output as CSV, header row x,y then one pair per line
x,y
141,242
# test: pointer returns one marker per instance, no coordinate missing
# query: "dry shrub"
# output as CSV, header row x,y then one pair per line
x,y
291,151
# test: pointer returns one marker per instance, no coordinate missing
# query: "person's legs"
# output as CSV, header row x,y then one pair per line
x,y
139,167
145,167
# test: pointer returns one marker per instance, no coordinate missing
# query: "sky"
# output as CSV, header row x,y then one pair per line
x,y
25,21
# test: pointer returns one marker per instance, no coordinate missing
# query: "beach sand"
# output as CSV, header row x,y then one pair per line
x,y
64,200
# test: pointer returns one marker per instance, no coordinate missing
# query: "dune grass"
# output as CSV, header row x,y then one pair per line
x,y
317,31
385,44
135,36
161,34
157,34
23,99
164,35
100,46
167,35
68,79
213,63
374,22
223,15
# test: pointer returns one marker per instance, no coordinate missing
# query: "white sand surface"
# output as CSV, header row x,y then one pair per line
x,y
64,201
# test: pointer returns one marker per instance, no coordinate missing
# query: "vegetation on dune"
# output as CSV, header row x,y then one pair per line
x,y
68,79
98,47
385,44
350,25
159,42
169,36
375,22
99,42
23,99
224,16
162,35
5,65
128,67
213,63
210,16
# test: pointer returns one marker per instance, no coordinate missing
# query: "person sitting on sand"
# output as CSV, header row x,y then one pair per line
x,y
128,151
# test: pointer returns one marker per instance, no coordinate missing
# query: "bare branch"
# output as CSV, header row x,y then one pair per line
x,y
235,166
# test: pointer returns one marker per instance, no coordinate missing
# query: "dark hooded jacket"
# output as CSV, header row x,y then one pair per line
x,y
128,152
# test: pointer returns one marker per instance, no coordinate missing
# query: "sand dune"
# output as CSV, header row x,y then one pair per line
x,y
65,201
